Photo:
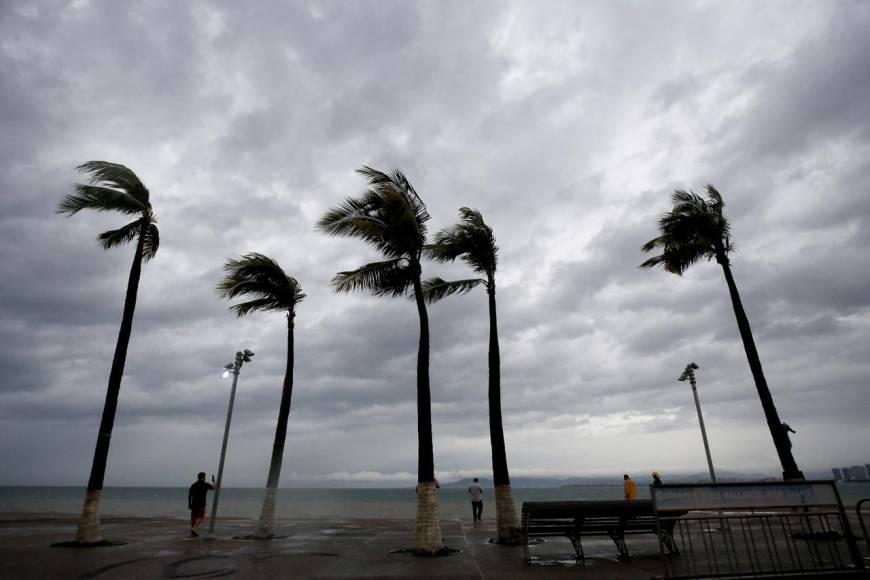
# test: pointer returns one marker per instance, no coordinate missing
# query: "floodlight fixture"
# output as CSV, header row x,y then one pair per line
x,y
689,373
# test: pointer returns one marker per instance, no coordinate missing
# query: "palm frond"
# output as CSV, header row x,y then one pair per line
x,y
398,181
681,196
398,201
386,278
351,218
694,229
117,176
389,215
435,289
151,242
260,277
471,239
257,305
336,220
714,195
718,205
472,217
654,243
441,251
100,199
652,262
122,235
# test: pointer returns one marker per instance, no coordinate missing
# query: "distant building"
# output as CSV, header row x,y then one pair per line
x,y
859,473
838,475
867,467
847,474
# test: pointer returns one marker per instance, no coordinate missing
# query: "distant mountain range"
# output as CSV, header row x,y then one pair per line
x,y
616,480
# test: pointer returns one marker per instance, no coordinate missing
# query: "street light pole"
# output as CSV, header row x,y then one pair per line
x,y
689,374
232,368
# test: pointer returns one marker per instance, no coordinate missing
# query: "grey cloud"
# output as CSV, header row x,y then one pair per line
x,y
567,126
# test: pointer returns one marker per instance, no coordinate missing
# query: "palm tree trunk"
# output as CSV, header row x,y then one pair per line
x,y
780,437
505,511
89,522
428,538
266,527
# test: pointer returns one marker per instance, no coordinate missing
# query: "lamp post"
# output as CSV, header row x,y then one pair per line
x,y
232,368
689,374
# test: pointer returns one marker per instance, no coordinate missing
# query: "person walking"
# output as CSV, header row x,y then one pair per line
x,y
476,500
629,489
196,501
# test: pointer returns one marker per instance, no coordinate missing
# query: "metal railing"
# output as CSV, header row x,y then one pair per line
x,y
761,543
861,522
755,530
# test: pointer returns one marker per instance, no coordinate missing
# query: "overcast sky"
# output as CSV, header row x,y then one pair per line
x,y
566,124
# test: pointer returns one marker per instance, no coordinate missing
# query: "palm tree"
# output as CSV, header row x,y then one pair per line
x,y
261,279
697,228
472,240
113,187
391,217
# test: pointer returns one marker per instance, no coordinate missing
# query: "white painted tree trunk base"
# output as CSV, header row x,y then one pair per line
x,y
506,516
428,529
89,522
266,528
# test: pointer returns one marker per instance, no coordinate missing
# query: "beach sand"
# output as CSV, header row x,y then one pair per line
x,y
160,549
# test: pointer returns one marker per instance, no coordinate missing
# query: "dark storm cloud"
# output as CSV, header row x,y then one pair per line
x,y
819,91
567,126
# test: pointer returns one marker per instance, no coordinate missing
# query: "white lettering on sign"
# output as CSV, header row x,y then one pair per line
x,y
750,496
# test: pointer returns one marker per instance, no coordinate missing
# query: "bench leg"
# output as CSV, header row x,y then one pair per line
x,y
525,533
578,549
667,541
621,547
666,537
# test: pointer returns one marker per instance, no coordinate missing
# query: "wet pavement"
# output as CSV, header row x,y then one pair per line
x,y
362,549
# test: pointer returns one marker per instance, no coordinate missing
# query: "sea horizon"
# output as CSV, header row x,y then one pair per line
x,y
305,503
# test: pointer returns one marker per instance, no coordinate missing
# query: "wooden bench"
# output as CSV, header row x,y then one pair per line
x,y
575,519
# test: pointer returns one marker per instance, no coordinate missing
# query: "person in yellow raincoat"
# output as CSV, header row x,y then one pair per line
x,y
630,489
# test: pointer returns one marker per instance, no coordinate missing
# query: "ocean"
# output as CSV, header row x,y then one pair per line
x,y
394,503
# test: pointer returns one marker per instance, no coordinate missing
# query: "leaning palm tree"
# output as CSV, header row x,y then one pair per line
x,y
113,188
472,240
697,228
261,279
391,217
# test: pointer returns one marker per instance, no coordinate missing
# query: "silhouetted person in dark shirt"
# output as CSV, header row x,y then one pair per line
x,y
657,479
786,429
196,501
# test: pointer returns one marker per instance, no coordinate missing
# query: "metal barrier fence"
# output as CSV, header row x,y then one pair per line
x,y
729,532
862,523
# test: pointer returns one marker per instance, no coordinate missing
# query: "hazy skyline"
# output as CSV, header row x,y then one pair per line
x,y
566,124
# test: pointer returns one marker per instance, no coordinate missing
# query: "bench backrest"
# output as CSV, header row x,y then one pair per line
x,y
589,508
557,517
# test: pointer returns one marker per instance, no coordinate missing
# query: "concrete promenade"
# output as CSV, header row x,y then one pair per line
x,y
362,549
